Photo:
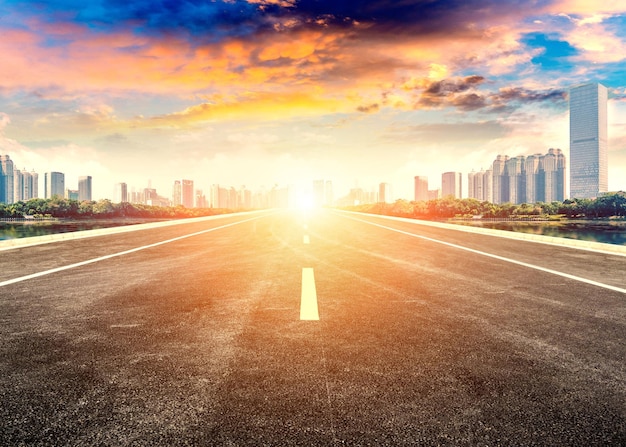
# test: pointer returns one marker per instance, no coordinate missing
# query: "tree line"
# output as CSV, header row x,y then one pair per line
x,y
608,205
57,207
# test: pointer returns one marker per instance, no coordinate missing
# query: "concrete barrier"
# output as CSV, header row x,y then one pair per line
x,y
56,237
551,240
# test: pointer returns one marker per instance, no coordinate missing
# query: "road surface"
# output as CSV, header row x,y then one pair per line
x,y
321,328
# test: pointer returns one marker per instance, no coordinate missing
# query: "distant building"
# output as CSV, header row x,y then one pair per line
x,y
177,193
187,193
72,194
6,179
201,201
121,193
25,185
244,198
552,177
54,184
84,188
479,185
451,184
384,193
150,196
500,181
421,188
515,170
434,194
588,141
532,179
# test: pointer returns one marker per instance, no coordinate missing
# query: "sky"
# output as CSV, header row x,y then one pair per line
x,y
282,92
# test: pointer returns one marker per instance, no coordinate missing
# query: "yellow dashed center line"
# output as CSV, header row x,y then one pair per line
x,y
308,300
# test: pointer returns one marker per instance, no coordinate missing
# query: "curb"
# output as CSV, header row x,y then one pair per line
x,y
10,244
599,247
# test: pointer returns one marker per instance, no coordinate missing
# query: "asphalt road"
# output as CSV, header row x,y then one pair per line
x,y
425,336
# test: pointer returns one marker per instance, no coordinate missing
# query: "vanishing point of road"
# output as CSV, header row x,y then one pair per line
x,y
321,328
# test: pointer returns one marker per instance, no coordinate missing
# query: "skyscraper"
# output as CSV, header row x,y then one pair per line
x,y
500,180
187,193
54,184
6,179
84,188
515,170
177,193
588,141
121,193
451,184
421,188
531,179
384,193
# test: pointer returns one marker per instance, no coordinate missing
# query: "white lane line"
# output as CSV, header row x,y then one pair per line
x,y
306,239
308,299
500,258
121,253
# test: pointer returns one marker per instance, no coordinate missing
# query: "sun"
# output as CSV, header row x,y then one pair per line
x,y
304,201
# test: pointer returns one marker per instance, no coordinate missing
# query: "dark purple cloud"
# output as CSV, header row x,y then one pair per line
x,y
212,20
465,94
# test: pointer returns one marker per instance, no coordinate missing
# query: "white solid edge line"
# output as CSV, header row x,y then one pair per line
x,y
121,253
308,299
500,258
595,247
25,242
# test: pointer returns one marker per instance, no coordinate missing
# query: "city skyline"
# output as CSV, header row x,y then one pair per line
x,y
265,92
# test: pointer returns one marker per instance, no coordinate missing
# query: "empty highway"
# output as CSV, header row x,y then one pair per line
x,y
318,328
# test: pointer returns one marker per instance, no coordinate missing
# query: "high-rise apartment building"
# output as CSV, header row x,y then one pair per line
x,y
500,180
25,185
200,199
187,193
532,179
515,169
588,141
121,193
84,188
553,168
177,193
384,193
54,184
451,184
421,188
479,185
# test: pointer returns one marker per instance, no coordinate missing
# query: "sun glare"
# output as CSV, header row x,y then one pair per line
x,y
305,202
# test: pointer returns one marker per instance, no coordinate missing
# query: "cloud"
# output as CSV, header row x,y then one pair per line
x,y
256,106
369,108
453,133
4,121
523,95
451,92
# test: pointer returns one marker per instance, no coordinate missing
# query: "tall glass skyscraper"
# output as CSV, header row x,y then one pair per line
x,y
6,179
54,184
588,141
84,188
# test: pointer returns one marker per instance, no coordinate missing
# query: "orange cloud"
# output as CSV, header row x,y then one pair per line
x,y
264,106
